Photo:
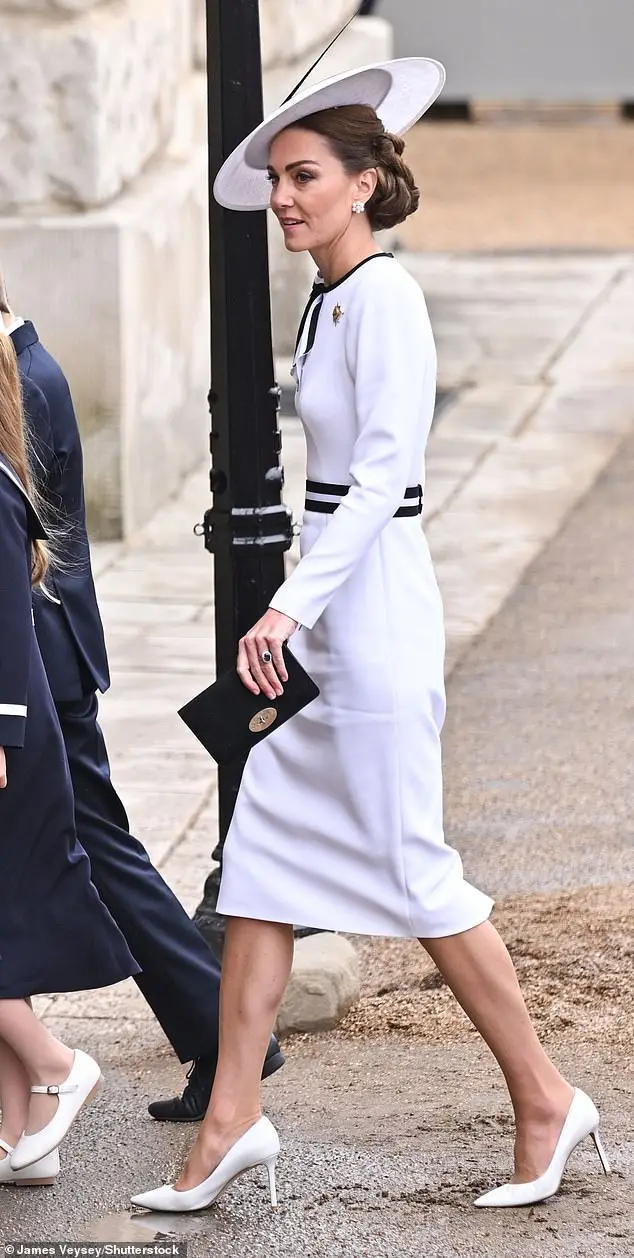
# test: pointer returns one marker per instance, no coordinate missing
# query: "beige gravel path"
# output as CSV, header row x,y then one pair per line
x,y
522,187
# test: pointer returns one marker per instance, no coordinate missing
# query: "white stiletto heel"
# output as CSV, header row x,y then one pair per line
x,y
39,1175
259,1146
270,1166
601,1151
80,1086
582,1120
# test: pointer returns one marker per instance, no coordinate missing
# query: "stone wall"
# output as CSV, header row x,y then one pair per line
x,y
103,216
87,101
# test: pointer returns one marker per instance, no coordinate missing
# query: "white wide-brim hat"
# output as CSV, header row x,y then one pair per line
x,y
400,91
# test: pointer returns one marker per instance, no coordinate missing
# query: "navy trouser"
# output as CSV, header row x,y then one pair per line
x,y
180,976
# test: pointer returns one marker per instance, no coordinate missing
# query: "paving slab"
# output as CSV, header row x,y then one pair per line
x,y
138,612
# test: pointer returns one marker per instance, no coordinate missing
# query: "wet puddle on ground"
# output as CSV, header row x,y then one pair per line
x,y
138,1227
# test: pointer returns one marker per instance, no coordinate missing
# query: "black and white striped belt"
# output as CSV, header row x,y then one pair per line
x,y
325,498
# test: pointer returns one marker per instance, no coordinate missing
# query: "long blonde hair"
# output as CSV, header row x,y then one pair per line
x,y
14,440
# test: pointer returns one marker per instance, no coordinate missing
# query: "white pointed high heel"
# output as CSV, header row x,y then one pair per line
x,y
582,1120
80,1086
259,1146
41,1173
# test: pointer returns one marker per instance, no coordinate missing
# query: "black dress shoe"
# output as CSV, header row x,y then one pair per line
x,y
192,1105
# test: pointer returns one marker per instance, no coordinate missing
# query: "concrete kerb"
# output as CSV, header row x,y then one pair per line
x,y
323,986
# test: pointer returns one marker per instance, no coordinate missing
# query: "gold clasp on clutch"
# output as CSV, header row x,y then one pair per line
x,y
262,720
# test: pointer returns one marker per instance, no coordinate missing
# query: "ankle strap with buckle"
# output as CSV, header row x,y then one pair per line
x,y
53,1089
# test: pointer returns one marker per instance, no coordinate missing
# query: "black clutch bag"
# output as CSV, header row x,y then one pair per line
x,y
228,720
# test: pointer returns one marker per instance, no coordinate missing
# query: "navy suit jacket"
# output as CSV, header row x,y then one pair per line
x,y
69,632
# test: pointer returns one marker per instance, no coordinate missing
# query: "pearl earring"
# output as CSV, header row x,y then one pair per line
x,y
358,207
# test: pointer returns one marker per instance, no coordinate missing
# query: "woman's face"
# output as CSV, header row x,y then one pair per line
x,y
311,193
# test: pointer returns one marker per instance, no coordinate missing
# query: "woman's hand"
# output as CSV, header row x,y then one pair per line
x,y
3,769
270,634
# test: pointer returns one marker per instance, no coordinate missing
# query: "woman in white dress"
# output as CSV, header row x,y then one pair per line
x,y
339,816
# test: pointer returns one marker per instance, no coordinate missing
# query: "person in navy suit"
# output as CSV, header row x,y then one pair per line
x,y
56,935
180,977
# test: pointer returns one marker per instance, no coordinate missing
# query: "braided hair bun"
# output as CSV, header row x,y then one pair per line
x,y
358,138
396,195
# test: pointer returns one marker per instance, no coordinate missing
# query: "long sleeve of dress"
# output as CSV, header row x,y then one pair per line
x,y
391,357
16,625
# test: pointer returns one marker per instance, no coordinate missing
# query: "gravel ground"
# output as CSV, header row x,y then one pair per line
x,y
522,187
573,952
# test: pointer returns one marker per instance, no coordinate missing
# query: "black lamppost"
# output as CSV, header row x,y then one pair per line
x,y
247,529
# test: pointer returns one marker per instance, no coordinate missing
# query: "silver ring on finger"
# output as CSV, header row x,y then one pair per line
x,y
266,657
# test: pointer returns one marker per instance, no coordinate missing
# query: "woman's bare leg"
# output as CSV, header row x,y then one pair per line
x,y
479,971
257,959
14,1096
44,1058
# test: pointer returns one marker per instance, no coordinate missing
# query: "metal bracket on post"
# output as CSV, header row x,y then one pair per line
x,y
252,528
262,528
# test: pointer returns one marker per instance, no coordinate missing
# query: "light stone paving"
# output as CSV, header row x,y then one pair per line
x,y
540,352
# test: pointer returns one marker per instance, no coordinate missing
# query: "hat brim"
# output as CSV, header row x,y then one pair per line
x,y
400,91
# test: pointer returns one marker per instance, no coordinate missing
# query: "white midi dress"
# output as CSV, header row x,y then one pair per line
x,y
338,822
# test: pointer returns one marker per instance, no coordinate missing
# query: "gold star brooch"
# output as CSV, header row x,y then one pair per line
x,y
337,315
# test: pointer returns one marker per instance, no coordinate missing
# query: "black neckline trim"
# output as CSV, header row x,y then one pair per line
x,y
327,288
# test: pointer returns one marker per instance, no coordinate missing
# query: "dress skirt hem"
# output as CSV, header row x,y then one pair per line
x,y
474,909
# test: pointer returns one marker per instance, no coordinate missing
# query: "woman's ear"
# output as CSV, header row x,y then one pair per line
x,y
366,184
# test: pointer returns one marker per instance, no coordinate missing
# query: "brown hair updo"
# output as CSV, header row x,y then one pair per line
x,y
358,138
